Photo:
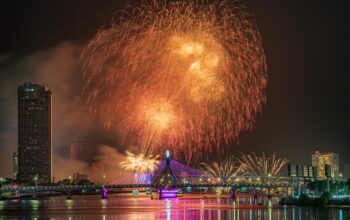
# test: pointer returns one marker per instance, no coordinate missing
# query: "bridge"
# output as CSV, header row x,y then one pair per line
x,y
70,190
169,176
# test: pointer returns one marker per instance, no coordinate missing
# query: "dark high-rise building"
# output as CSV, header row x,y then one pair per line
x,y
34,133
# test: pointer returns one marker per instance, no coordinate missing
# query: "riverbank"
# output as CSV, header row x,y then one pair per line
x,y
321,201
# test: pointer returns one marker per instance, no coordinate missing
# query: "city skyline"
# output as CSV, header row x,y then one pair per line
x,y
303,111
32,101
174,109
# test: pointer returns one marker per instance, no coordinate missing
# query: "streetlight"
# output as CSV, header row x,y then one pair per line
x,y
340,175
36,181
70,180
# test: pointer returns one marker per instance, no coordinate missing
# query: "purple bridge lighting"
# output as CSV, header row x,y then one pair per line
x,y
168,174
165,193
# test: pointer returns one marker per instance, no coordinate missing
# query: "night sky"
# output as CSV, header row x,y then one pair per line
x,y
306,43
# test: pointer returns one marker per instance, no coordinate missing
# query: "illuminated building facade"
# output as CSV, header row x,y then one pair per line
x,y
15,165
319,160
34,133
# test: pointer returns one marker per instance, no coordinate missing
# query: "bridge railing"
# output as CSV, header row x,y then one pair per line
x,y
49,188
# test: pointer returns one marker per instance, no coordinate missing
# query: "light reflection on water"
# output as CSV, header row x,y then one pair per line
x,y
142,207
168,209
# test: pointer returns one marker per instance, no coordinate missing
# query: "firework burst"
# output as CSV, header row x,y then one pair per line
x,y
266,167
225,170
140,163
185,75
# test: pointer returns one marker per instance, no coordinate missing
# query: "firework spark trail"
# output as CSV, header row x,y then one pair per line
x,y
262,166
226,170
187,76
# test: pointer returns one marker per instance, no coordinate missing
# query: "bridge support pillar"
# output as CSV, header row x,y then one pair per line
x,y
255,193
233,192
285,190
69,195
269,192
104,193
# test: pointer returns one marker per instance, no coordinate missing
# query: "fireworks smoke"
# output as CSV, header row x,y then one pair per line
x,y
185,76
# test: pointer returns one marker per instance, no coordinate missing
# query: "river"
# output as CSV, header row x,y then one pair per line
x,y
142,207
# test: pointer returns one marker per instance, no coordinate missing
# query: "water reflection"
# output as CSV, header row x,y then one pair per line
x,y
69,203
145,208
168,209
35,204
2,204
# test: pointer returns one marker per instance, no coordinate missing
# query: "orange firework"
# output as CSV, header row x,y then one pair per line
x,y
186,76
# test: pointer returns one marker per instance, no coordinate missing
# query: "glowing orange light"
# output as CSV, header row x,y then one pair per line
x,y
160,119
192,48
195,66
211,60
158,115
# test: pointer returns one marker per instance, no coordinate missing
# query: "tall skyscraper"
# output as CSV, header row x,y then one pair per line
x,y
34,133
319,160
15,165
